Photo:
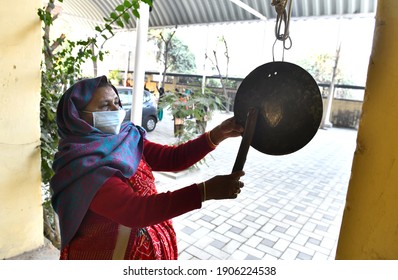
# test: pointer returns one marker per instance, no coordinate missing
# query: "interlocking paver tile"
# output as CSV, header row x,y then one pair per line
x,y
204,241
188,230
238,255
216,253
238,217
281,244
268,227
253,225
236,230
235,236
269,250
304,256
248,232
198,253
292,230
183,255
219,220
301,239
200,233
280,229
314,241
236,224
302,249
207,218
253,241
317,248
223,228
328,243
252,251
231,246
268,242
282,235
250,257
320,257
289,254
218,244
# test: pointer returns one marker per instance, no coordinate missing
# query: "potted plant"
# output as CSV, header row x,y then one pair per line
x,y
191,111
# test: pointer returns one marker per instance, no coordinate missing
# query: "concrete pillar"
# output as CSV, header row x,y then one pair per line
x,y
21,213
370,223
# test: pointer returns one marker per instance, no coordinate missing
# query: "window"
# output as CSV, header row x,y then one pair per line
x,y
125,96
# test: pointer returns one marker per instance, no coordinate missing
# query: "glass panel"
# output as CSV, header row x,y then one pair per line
x,y
125,96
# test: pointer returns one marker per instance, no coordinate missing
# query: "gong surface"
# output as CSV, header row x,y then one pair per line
x,y
289,103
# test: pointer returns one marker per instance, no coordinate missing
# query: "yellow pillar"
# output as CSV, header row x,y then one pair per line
x,y
370,222
21,216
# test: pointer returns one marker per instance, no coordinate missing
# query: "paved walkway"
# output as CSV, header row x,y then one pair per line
x,y
290,208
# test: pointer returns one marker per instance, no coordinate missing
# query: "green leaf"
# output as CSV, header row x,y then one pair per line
x,y
127,4
120,23
113,15
136,14
120,8
149,2
126,17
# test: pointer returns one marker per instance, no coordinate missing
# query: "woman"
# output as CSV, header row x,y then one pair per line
x,y
103,187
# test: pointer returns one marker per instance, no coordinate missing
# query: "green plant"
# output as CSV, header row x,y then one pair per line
x,y
195,109
61,67
115,75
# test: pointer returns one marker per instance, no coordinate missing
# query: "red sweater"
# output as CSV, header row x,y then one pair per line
x,y
116,200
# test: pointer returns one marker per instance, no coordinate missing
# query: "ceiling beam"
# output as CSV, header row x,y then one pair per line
x,y
249,9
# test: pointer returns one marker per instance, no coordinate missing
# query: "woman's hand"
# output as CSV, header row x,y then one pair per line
x,y
228,128
222,186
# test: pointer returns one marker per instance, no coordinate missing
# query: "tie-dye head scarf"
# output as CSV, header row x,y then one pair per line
x,y
87,157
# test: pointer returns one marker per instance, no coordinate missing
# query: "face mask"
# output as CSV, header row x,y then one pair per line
x,y
109,121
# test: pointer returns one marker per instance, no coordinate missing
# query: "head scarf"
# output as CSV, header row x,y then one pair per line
x,y
87,157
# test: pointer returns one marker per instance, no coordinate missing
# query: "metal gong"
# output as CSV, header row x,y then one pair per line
x,y
288,107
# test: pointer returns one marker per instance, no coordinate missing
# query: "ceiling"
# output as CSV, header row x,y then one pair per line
x,y
190,12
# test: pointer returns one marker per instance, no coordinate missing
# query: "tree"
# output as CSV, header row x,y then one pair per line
x,y
61,67
321,67
326,70
172,53
214,59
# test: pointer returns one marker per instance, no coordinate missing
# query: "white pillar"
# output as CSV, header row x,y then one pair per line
x,y
139,65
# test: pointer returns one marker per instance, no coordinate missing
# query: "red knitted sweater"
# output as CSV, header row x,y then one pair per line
x,y
135,203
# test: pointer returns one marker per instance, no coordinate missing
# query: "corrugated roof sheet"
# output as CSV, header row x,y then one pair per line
x,y
188,12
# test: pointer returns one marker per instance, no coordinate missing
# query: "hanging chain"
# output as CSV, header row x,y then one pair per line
x,y
282,19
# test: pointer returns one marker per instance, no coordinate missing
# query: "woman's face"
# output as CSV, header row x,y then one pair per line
x,y
104,99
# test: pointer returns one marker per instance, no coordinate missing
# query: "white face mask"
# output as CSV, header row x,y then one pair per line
x,y
109,121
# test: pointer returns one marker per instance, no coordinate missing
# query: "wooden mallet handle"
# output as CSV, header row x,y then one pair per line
x,y
250,127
